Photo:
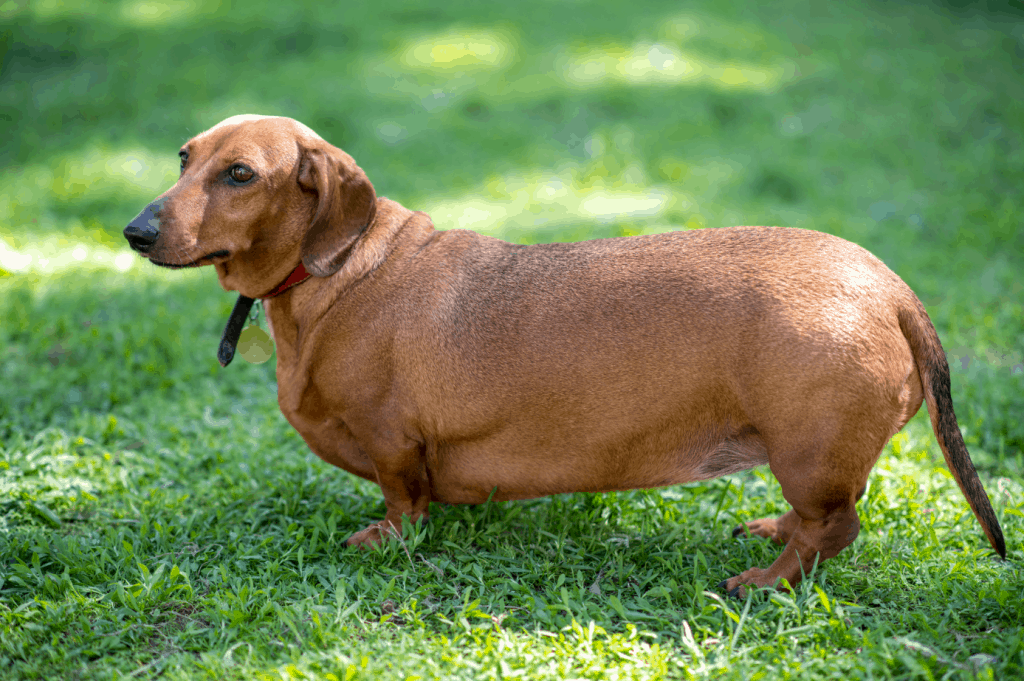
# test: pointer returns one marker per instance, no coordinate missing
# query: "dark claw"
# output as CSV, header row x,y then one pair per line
x,y
735,593
722,584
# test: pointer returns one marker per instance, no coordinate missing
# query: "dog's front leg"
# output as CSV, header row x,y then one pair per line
x,y
403,480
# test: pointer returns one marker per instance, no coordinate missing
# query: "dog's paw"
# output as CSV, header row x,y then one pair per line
x,y
382,530
752,580
765,527
779,530
371,536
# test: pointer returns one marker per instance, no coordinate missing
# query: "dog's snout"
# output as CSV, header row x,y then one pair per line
x,y
143,231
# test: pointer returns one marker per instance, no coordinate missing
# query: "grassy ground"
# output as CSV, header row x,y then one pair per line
x,y
161,519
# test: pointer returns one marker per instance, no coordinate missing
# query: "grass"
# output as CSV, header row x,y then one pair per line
x,y
160,518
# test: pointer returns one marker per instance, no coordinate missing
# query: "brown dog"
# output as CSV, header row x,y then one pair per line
x,y
447,366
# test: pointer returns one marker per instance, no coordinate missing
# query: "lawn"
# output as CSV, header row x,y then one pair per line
x,y
161,519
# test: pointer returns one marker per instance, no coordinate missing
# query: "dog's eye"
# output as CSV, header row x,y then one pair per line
x,y
183,155
240,174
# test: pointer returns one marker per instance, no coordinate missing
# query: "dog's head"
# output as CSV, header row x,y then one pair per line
x,y
256,195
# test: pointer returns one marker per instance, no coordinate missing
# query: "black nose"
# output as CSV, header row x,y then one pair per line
x,y
143,231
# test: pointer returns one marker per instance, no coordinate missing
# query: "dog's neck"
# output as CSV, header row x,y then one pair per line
x,y
295,313
368,253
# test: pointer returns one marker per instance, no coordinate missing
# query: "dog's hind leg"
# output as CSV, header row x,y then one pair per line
x,y
814,540
823,489
779,530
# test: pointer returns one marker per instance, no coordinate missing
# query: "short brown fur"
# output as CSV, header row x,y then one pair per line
x,y
450,366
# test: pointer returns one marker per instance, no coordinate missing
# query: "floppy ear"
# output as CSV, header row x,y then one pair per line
x,y
345,207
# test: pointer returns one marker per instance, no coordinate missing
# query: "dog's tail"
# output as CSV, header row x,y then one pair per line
x,y
934,371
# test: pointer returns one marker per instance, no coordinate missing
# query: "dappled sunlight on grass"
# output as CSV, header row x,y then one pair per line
x,y
104,172
610,185
438,70
70,212
659,63
54,253
462,51
666,61
132,173
150,13
520,205
145,13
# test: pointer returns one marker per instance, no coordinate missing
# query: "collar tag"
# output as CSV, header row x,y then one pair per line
x,y
254,344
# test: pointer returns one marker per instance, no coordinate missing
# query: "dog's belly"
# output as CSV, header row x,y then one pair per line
x,y
469,473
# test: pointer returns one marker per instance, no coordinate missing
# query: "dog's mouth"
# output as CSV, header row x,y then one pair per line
x,y
196,262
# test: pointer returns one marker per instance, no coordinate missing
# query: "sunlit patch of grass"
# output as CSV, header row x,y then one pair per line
x,y
92,176
463,51
53,253
659,63
611,185
104,172
516,206
163,13
132,13
674,59
436,71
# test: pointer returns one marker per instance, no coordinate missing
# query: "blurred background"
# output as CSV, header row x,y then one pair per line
x,y
895,125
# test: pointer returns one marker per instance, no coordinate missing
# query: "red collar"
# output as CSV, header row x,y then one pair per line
x,y
298,275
